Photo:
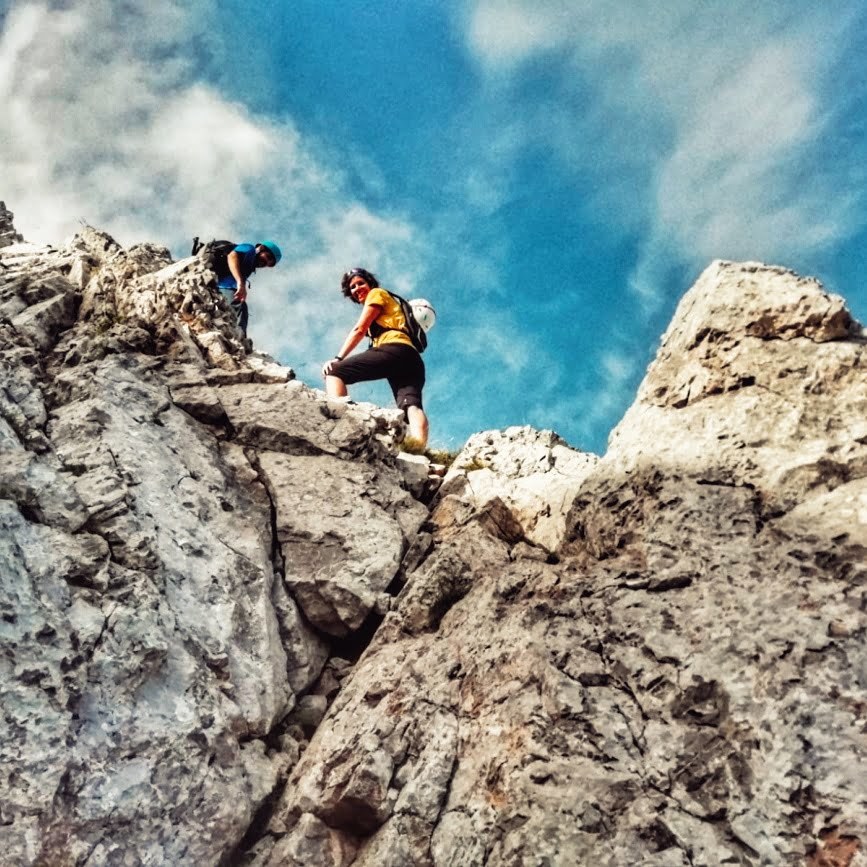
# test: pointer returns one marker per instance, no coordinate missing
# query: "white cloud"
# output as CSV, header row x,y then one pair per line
x,y
499,340
716,116
114,123
311,314
506,33
618,366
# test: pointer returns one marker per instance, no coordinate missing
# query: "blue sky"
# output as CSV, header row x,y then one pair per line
x,y
552,175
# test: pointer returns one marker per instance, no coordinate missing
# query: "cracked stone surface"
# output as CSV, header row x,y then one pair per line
x,y
683,683
153,651
534,473
343,529
231,635
8,235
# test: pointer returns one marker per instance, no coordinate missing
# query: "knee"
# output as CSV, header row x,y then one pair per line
x,y
335,386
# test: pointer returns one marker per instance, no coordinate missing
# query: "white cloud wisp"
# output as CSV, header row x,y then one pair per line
x,y
110,118
728,107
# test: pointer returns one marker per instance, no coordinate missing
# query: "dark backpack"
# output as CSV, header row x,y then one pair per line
x,y
218,254
413,330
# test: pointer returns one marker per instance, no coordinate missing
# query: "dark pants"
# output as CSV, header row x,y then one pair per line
x,y
242,314
400,364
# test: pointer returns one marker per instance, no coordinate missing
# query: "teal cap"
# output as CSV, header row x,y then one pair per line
x,y
274,249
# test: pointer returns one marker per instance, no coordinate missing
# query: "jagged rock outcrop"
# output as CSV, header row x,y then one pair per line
x,y
535,474
8,235
685,686
235,629
156,491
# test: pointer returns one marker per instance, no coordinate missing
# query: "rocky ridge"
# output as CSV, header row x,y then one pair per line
x,y
8,235
238,628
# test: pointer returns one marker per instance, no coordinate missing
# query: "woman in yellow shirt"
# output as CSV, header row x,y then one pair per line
x,y
392,355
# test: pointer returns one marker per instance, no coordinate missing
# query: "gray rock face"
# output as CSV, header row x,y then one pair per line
x,y
685,686
535,473
153,645
329,509
651,658
8,235
766,379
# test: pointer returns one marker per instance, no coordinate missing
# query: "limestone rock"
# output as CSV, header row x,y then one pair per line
x,y
291,418
534,473
416,472
8,235
343,528
231,634
266,369
684,686
182,655
151,645
765,374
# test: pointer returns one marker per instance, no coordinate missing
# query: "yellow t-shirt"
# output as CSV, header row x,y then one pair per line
x,y
391,317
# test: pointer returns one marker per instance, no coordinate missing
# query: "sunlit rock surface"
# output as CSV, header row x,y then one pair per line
x,y
683,684
153,648
236,629
8,235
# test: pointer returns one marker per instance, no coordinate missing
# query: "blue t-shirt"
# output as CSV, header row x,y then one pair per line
x,y
248,265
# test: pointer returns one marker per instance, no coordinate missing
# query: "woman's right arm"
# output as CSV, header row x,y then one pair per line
x,y
367,318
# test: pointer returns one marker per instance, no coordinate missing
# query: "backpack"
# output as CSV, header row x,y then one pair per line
x,y
413,330
218,252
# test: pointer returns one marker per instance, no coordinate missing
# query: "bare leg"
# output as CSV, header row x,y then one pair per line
x,y
418,424
335,387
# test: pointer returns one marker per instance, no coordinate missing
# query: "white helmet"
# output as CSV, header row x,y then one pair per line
x,y
424,313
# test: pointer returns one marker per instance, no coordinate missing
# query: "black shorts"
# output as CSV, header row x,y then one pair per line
x,y
400,364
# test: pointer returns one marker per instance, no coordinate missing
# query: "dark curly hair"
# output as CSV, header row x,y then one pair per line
x,y
369,278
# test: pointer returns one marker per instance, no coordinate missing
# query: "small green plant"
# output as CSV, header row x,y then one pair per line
x,y
473,464
412,446
441,456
